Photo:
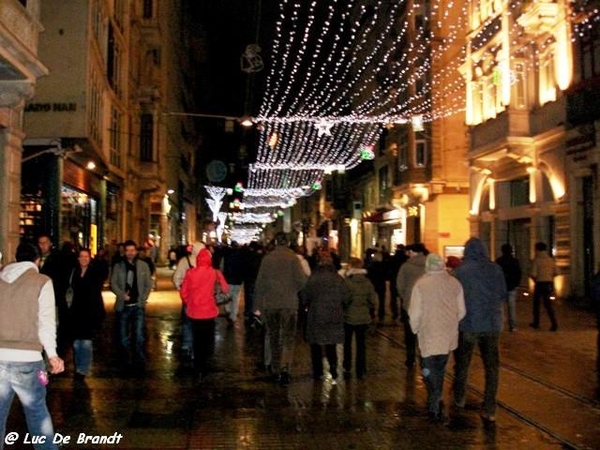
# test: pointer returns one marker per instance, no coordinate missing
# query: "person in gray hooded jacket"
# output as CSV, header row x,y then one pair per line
x,y
485,292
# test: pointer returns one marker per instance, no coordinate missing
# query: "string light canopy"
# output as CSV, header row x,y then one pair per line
x,y
343,70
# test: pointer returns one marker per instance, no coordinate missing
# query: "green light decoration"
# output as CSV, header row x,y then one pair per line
x,y
280,213
317,186
238,187
367,153
496,77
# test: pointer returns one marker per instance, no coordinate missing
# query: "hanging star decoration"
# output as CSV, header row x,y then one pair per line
x,y
324,127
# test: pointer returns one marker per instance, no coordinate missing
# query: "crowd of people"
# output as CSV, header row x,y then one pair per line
x,y
445,306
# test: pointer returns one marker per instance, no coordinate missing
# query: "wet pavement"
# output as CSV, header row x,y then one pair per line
x,y
548,394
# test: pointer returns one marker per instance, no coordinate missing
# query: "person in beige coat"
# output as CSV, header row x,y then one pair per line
x,y
437,305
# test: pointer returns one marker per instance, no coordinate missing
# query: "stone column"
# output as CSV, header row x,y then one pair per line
x,y
12,97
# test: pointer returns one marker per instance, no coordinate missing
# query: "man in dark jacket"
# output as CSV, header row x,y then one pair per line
x,y
512,275
485,292
279,280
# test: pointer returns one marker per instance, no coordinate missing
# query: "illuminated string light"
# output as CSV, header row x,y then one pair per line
x,y
342,70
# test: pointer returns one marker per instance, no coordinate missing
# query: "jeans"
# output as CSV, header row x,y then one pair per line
x,y
541,293
361,357
204,342
433,369
22,378
512,309
281,325
82,355
488,347
132,316
232,307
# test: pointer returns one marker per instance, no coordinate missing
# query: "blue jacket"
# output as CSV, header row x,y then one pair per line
x,y
484,288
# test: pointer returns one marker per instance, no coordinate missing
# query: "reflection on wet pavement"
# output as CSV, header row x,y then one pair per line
x,y
237,406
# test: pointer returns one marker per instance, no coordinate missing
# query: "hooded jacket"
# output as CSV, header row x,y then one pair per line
x,y
484,289
46,317
198,288
362,299
408,275
185,263
279,280
437,305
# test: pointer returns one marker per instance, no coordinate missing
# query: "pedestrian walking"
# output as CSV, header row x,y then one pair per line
x,y
130,281
183,265
57,265
543,271
408,275
396,262
27,327
437,305
485,293
86,312
357,317
198,294
323,296
279,280
377,273
512,276
232,265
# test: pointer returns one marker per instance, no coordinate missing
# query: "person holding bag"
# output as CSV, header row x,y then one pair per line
x,y
198,294
86,311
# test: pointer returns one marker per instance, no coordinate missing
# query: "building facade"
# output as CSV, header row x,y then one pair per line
x,y
99,158
531,161
20,69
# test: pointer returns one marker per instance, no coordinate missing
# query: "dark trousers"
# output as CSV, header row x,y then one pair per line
x,y
203,331
410,341
542,293
281,326
361,357
488,348
316,354
433,369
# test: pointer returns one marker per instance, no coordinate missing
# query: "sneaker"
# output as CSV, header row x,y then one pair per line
x,y
333,381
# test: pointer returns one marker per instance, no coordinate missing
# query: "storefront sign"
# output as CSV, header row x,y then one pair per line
x,y
48,107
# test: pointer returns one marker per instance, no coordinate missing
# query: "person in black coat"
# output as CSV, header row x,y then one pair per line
x,y
325,294
512,275
86,312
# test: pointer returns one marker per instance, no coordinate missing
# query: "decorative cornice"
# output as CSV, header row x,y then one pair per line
x,y
13,92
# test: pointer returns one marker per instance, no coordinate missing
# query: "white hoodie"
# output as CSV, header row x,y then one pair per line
x,y
46,316
185,263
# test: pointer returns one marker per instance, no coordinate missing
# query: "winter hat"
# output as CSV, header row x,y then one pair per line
x,y
434,263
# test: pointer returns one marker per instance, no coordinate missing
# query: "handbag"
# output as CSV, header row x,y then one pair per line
x,y
221,297
69,294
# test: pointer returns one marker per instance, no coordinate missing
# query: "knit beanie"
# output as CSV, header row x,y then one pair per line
x,y
434,263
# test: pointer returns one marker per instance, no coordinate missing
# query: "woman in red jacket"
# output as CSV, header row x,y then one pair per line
x,y
198,294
